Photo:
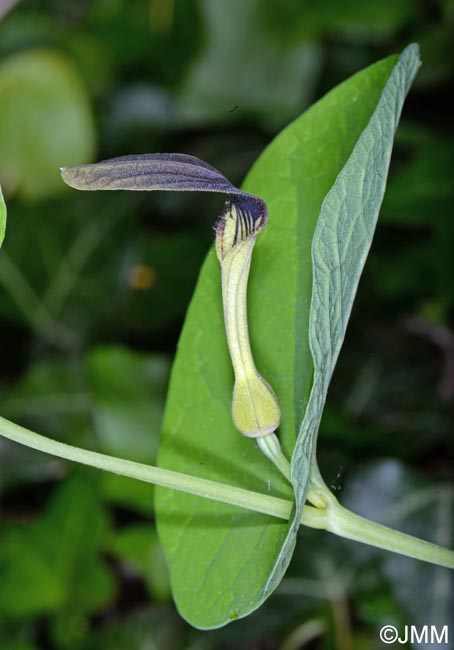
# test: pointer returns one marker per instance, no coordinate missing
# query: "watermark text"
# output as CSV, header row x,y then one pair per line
x,y
415,634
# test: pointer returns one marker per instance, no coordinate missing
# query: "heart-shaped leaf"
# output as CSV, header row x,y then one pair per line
x,y
224,562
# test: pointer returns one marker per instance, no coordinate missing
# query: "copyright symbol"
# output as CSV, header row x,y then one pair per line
x,y
389,634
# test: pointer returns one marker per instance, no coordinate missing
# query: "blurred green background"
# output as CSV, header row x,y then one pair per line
x,y
93,292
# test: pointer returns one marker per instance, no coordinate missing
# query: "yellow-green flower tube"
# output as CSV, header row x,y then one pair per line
x,y
255,409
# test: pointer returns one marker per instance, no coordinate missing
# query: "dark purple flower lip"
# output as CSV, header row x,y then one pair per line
x,y
170,172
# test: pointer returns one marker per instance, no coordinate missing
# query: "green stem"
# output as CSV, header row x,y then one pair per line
x,y
271,447
333,518
266,504
345,523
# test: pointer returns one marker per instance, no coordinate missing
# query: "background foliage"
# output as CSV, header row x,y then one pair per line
x,y
93,292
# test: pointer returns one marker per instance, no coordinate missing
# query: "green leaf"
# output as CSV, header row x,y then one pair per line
x,y
2,217
221,559
340,245
45,121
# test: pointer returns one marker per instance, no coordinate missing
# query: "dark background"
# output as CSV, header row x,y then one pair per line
x,y
94,288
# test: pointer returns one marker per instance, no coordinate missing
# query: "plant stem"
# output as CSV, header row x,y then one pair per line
x,y
345,523
266,504
334,518
271,447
